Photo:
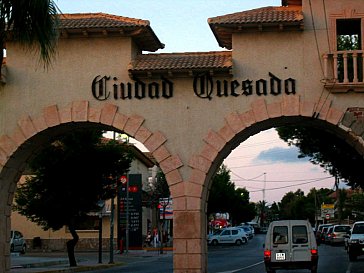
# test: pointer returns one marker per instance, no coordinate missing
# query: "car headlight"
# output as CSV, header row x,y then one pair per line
x,y
353,241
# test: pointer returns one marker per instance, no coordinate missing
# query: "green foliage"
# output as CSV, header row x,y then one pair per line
x,y
295,205
327,150
348,42
224,197
33,23
354,206
161,189
69,177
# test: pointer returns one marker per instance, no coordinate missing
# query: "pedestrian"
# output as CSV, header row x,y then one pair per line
x,y
155,237
148,239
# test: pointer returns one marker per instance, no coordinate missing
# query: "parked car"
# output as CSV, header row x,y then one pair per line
x,y
290,244
230,235
355,246
248,231
248,226
17,242
338,234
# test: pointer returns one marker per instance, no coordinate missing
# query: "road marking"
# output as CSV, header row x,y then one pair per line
x,y
349,268
247,267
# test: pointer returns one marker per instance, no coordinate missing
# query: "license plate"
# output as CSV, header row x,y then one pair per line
x,y
280,256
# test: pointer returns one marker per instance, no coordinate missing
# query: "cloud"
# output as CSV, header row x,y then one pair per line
x,y
280,155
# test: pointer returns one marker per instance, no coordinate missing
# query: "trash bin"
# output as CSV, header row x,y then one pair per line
x,y
37,242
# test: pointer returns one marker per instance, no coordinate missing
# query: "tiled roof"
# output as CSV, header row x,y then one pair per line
x,y
290,17
98,20
178,62
101,24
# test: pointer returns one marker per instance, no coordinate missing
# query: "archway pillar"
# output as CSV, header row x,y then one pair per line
x,y
189,225
4,239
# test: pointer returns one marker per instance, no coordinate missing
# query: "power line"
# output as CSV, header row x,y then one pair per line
x,y
284,187
254,179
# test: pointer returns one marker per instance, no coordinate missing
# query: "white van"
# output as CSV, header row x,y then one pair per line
x,y
290,244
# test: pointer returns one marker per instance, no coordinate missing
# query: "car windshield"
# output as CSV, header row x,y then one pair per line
x,y
358,229
217,232
342,229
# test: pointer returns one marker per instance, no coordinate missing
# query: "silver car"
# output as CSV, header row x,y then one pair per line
x,y
338,234
17,242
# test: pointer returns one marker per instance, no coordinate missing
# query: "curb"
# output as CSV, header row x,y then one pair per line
x,y
82,268
79,268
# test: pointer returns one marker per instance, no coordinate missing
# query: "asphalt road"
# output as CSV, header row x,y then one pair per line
x,y
246,258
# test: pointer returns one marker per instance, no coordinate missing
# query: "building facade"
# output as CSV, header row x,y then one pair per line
x,y
282,65
40,240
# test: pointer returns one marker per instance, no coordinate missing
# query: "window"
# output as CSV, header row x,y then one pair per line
x,y
280,234
299,234
88,223
358,229
342,228
348,34
234,232
348,38
225,233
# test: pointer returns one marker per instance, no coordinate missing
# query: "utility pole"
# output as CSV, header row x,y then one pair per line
x,y
264,187
338,201
111,259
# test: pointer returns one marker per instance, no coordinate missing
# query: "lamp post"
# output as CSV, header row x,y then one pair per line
x,y
101,204
127,218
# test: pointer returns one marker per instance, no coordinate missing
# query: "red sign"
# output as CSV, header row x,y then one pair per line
x,y
123,179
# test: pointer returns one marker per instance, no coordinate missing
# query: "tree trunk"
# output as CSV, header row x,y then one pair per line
x,y
71,245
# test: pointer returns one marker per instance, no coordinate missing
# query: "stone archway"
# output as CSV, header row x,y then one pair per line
x,y
191,251
32,131
190,195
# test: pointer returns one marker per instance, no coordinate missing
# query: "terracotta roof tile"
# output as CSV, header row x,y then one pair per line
x,y
182,61
101,24
261,15
267,18
99,20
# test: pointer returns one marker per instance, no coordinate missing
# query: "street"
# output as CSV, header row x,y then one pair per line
x,y
246,258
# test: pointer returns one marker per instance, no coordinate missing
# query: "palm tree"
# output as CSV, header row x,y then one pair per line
x,y
33,24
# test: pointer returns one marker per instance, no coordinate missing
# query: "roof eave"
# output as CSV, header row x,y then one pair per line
x,y
143,35
179,73
220,30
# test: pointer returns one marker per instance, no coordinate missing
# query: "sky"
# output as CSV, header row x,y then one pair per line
x,y
264,164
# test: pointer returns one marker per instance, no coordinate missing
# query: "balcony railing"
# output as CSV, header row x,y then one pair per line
x,y
344,70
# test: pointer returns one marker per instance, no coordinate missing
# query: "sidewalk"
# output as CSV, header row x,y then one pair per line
x,y
52,262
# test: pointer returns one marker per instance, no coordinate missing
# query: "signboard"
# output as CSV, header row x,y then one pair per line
x,y
134,211
328,211
327,206
165,208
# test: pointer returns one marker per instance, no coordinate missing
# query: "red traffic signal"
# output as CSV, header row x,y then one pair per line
x,y
133,189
